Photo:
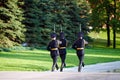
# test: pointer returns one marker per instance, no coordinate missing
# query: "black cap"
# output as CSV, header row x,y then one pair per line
x,y
53,35
62,35
80,34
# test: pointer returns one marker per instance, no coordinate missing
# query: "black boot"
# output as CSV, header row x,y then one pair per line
x,y
53,69
83,64
61,69
64,64
79,67
57,67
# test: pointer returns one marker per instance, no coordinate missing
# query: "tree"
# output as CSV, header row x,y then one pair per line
x,y
115,20
11,28
103,10
101,16
42,15
78,10
32,21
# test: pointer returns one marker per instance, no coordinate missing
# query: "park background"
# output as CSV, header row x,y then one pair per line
x,y
25,27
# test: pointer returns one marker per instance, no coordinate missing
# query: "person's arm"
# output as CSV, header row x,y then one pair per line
x,y
66,43
48,47
74,45
85,42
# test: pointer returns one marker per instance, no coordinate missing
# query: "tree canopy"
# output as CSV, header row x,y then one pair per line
x,y
106,14
11,27
32,21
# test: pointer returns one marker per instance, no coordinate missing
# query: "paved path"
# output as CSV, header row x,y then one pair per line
x,y
100,67
89,72
58,76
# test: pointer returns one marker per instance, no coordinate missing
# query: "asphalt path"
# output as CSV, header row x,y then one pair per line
x,y
58,76
99,67
101,71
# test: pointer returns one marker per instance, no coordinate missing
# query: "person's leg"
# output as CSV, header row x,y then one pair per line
x,y
80,57
83,58
83,64
64,57
54,63
62,62
79,65
53,66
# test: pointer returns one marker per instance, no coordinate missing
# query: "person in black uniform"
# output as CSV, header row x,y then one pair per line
x,y
79,45
62,50
53,48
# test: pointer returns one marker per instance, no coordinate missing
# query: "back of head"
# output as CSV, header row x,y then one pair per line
x,y
80,34
53,35
62,35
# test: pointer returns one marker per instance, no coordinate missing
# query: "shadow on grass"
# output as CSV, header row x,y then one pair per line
x,y
102,43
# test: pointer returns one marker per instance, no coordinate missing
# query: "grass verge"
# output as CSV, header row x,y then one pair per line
x,y
39,60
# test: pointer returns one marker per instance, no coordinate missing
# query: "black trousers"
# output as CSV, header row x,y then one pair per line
x,y
55,65
80,54
62,53
63,57
54,56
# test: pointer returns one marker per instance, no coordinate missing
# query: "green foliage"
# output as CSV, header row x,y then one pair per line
x,y
32,21
11,28
101,10
41,17
105,15
79,15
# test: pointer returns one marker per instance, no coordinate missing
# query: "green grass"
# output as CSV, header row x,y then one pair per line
x,y
96,55
39,60
25,60
100,39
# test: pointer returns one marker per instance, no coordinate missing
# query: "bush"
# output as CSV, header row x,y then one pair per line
x,y
5,49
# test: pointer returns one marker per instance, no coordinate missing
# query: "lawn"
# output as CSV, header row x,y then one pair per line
x,y
39,59
100,39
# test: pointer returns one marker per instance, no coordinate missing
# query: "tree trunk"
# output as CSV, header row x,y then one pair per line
x,y
108,30
114,27
114,38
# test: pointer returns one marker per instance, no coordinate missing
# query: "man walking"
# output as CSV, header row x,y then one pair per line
x,y
79,45
53,48
62,50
